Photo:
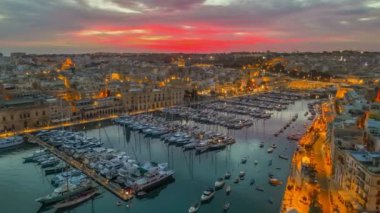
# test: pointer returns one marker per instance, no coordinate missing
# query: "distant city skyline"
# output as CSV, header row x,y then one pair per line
x,y
189,26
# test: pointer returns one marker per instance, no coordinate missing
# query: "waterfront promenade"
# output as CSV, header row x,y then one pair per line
x,y
113,188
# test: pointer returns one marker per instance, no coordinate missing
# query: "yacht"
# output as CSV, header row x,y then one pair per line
x,y
227,175
219,183
152,179
228,189
208,194
194,208
10,142
63,192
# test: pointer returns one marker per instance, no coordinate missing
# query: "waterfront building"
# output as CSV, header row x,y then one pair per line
x,y
355,152
147,98
23,113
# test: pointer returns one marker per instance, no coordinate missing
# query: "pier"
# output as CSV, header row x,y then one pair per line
x,y
112,187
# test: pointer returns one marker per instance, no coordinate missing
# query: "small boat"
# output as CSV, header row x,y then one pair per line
x,y
207,195
244,160
274,146
226,206
241,178
194,208
283,157
219,183
228,189
252,181
258,188
241,173
256,162
118,203
140,194
236,180
261,145
76,199
227,175
275,182
270,200
270,150
270,162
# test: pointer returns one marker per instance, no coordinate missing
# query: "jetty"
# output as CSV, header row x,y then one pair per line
x,y
110,186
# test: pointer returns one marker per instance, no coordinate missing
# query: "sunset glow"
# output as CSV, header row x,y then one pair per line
x,y
188,26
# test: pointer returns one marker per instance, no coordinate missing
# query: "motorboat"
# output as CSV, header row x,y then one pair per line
x,y
227,175
219,183
270,150
207,195
228,189
236,180
275,182
194,208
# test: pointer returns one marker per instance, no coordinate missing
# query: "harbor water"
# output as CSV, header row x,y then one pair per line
x,y
21,184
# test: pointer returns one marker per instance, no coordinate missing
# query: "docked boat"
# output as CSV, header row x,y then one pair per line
x,y
154,177
219,183
275,182
34,155
228,189
10,142
77,199
194,208
283,157
64,192
227,175
207,195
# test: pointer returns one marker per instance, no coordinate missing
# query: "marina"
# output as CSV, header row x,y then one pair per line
x,y
194,173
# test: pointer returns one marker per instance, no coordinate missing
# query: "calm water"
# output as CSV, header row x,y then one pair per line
x,y
21,183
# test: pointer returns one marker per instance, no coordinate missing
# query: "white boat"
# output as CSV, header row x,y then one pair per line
x,y
227,175
10,142
241,173
194,208
219,183
270,150
228,189
207,194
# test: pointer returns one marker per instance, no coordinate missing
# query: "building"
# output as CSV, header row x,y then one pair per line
x,y
356,155
23,113
144,99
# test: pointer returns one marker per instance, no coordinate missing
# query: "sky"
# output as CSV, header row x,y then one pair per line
x,y
200,26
